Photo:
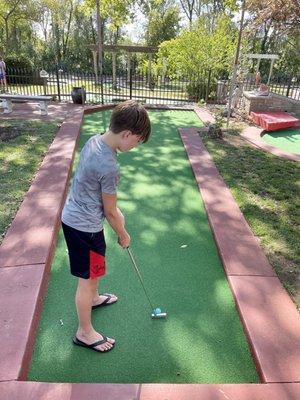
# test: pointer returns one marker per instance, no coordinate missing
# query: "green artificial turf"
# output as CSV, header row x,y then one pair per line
x,y
202,339
286,139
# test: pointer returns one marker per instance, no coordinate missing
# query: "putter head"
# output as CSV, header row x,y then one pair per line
x,y
158,315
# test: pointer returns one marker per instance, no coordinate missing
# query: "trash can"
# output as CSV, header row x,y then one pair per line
x,y
78,95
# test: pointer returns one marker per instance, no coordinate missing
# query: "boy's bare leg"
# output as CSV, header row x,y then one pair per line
x,y
98,298
84,300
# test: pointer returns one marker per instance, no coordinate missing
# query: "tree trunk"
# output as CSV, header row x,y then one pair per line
x,y
93,31
100,37
6,42
65,40
265,38
198,7
188,9
57,46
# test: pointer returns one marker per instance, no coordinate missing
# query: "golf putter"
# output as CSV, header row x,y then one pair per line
x,y
156,312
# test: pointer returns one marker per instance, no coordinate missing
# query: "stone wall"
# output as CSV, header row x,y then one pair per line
x,y
272,102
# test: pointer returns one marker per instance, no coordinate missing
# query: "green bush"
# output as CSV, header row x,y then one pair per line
x,y
19,62
21,70
196,91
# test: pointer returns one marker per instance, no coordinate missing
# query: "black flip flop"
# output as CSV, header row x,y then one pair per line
x,y
105,302
93,345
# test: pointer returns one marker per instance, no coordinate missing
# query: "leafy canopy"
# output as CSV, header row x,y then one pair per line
x,y
198,50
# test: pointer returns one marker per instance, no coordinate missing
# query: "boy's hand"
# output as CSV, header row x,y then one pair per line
x,y
124,240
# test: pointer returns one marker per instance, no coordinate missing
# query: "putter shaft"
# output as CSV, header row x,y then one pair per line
x,y
139,275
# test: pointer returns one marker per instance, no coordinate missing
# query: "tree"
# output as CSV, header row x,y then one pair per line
x,y
197,51
285,14
210,9
13,14
162,25
162,18
274,27
188,7
289,51
115,12
58,16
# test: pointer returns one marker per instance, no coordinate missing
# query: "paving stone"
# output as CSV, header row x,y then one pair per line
x,y
21,291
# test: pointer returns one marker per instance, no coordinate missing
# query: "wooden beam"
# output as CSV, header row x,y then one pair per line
x,y
130,49
266,56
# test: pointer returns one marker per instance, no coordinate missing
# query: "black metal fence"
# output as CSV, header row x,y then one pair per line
x,y
147,88
284,86
109,88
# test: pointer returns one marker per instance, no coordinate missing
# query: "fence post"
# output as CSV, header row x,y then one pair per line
x,y
101,86
57,82
208,85
289,87
130,84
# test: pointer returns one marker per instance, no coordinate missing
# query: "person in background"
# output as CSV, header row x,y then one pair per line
x,y
2,74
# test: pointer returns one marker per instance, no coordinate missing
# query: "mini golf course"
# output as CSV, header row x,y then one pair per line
x,y
270,319
286,139
284,143
202,339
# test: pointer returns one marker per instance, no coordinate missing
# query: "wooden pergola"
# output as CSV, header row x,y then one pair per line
x,y
128,50
259,57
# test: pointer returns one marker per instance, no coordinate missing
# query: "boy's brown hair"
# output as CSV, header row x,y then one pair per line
x,y
131,116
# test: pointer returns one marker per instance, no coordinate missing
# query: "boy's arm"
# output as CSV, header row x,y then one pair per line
x,y
115,218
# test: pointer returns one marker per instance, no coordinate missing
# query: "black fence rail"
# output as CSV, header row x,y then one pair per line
x,y
108,88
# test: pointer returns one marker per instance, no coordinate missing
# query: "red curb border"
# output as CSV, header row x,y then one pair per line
x,y
93,109
27,250
84,391
254,135
16,362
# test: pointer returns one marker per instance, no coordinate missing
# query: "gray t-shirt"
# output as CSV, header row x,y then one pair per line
x,y
97,172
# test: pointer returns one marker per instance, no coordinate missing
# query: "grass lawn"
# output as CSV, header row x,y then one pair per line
x,y
267,190
174,91
23,145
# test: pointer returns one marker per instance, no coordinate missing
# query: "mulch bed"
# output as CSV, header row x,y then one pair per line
x,y
8,133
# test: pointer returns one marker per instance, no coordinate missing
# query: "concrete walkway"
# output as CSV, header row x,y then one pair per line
x,y
30,110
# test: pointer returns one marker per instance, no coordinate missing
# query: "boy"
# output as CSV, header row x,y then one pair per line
x,y
93,198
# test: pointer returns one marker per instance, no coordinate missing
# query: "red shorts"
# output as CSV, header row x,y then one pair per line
x,y
86,252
